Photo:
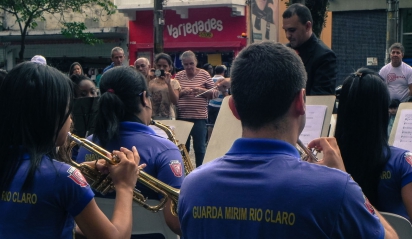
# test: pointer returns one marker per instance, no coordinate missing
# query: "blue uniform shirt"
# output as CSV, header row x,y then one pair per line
x,y
46,210
396,174
261,189
162,157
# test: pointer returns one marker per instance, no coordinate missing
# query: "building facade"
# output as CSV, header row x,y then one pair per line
x,y
211,29
46,39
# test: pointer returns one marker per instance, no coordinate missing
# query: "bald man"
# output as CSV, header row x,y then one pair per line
x,y
143,66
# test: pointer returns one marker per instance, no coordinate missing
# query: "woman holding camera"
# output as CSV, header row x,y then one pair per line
x,y
163,89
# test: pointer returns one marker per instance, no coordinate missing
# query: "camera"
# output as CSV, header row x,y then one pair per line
x,y
159,73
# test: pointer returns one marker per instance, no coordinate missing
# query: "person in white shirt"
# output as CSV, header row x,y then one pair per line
x,y
397,74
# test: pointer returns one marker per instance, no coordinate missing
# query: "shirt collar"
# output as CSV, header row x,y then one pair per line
x,y
262,146
134,126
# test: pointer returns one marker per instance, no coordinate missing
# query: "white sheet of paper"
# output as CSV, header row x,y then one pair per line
x,y
161,132
315,115
403,135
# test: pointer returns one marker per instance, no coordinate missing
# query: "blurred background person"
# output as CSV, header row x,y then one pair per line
x,y
163,89
214,104
142,64
117,56
84,86
39,59
383,172
393,109
209,68
76,69
193,82
124,113
397,74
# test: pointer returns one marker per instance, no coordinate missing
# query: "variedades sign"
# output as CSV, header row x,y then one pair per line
x,y
200,28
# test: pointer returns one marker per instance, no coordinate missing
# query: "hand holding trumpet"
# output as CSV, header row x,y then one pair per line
x,y
331,153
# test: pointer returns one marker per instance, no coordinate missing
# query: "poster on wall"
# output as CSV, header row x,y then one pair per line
x,y
265,15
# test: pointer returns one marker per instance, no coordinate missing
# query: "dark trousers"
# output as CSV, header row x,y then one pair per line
x,y
198,133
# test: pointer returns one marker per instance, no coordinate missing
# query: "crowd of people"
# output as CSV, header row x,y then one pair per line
x,y
260,188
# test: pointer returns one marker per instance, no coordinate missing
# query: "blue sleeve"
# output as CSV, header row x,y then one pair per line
x,y
171,168
406,168
357,217
75,193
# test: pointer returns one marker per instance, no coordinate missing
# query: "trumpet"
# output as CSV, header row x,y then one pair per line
x,y
103,183
306,153
182,148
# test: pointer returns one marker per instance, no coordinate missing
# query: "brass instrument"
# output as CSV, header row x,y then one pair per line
x,y
182,148
305,153
103,183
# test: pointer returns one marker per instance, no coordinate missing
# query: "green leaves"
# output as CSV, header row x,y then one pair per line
x,y
29,12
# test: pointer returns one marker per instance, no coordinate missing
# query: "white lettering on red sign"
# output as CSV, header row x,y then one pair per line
x,y
195,28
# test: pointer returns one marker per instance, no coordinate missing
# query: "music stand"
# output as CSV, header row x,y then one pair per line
x,y
402,127
83,115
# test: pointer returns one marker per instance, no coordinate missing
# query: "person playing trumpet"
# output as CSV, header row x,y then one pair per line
x,y
40,196
261,188
124,113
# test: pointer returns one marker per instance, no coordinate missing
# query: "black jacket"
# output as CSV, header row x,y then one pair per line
x,y
320,65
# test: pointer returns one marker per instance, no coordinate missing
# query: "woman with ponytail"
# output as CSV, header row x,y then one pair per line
x,y
124,113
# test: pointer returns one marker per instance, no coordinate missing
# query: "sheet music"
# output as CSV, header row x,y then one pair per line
x,y
403,135
315,115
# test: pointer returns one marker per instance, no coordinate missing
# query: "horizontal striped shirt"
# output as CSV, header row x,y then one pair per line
x,y
189,106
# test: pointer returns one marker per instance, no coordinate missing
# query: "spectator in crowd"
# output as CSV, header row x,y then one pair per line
x,y
214,104
383,172
209,68
163,89
397,74
117,56
98,76
39,59
192,103
261,188
143,66
84,86
319,60
76,69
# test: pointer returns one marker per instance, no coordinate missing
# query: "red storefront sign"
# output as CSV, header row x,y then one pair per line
x,y
205,29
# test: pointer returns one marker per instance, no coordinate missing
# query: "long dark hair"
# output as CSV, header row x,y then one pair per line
x,y
35,101
361,129
72,68
121,95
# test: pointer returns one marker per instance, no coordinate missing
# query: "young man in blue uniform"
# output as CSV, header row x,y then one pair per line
x,y
261,188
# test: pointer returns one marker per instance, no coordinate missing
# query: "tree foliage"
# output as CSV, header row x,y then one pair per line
x,y
318,9
29,12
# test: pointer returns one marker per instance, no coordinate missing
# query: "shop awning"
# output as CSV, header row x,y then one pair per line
x,y
193,45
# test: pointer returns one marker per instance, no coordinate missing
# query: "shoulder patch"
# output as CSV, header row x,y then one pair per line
x,y
368,205
408,157
77,176
176,167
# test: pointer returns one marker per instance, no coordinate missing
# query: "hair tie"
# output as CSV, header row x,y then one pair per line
x,y
110,90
